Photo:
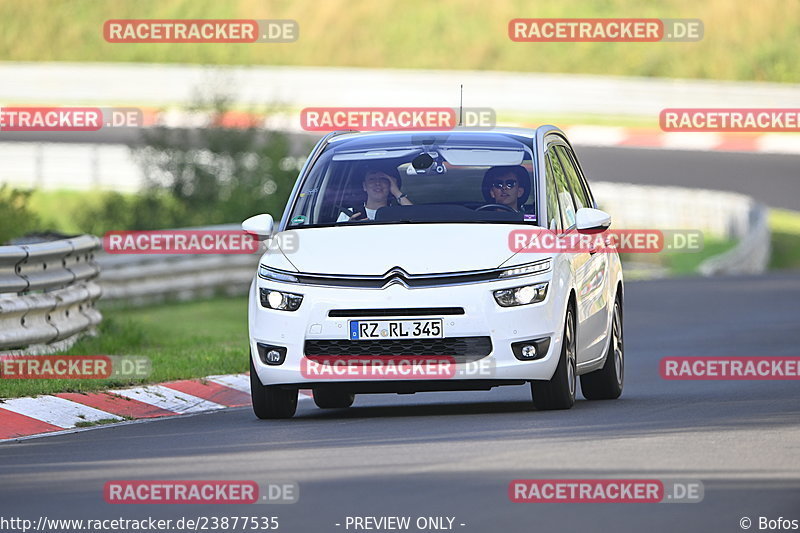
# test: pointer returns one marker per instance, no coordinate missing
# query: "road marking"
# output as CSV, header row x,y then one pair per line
x,y
16,425
596,135
115,404
169,399
240,382
56,411
211,391
778,143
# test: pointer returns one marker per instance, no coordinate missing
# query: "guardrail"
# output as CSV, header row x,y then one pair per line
x,y
146,279
47,294
721,214
751,255
140,279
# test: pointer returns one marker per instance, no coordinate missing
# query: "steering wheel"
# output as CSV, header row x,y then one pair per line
x,y
494,206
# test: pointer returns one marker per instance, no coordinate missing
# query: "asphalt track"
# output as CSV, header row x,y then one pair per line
x,y
454,454
772,179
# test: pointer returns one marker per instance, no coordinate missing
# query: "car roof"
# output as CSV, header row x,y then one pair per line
x,y
517,133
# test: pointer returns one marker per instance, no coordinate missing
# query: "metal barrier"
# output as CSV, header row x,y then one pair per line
x,y
47,294
751,255
141,279
718,213
144,279
725,215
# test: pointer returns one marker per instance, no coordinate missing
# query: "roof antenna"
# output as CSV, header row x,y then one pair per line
x,y
461,107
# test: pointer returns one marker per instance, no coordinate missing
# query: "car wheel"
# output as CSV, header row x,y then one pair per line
x,y
606,383
559,392
333,399
271,401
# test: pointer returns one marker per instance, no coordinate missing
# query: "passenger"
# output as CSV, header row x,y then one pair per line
x,y
507,185
382,187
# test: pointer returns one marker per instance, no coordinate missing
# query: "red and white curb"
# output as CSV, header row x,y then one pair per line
x,y
775,143
24,417
581,135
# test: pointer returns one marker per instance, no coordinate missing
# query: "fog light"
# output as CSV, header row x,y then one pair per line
x,y
529,351
271,355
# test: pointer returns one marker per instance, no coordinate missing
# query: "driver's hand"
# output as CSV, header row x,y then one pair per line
x,y
393,188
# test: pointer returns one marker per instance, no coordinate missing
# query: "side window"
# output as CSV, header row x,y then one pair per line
x,y
564,196
553,211
579,193
581,176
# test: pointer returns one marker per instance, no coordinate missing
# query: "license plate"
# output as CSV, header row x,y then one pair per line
x,y
396,329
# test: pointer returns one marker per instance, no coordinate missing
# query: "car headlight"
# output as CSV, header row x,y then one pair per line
x,y
527,270
282,301
527,294
268,273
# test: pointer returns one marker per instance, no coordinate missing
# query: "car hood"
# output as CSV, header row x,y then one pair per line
x,y
416,248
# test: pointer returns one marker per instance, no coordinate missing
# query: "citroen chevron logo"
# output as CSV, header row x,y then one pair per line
x,y
396,275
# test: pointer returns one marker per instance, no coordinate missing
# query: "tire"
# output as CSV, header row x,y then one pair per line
x,y
559,392
333,399
269,401
607,383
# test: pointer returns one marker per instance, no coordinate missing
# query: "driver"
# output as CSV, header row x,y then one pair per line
x,y
379,183
507,186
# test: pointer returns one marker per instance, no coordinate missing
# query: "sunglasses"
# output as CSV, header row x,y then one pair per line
x,y
508,184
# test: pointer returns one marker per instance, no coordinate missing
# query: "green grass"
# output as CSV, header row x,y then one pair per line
x,y
685,264
102,421
785,226
56,208
182,340
742,41
682,263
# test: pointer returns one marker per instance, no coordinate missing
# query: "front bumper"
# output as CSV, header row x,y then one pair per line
x,y
482,318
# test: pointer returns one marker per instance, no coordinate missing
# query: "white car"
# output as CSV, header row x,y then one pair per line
x,y
402,276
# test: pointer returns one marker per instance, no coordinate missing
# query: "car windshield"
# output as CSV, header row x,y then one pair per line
x,y
407,178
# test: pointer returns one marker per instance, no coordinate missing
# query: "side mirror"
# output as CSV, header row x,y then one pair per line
x,y
588,219
260,226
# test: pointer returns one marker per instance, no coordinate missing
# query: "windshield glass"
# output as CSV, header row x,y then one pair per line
x,y
402,178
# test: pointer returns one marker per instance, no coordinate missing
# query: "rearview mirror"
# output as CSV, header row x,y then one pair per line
x,y
588,219
260,226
